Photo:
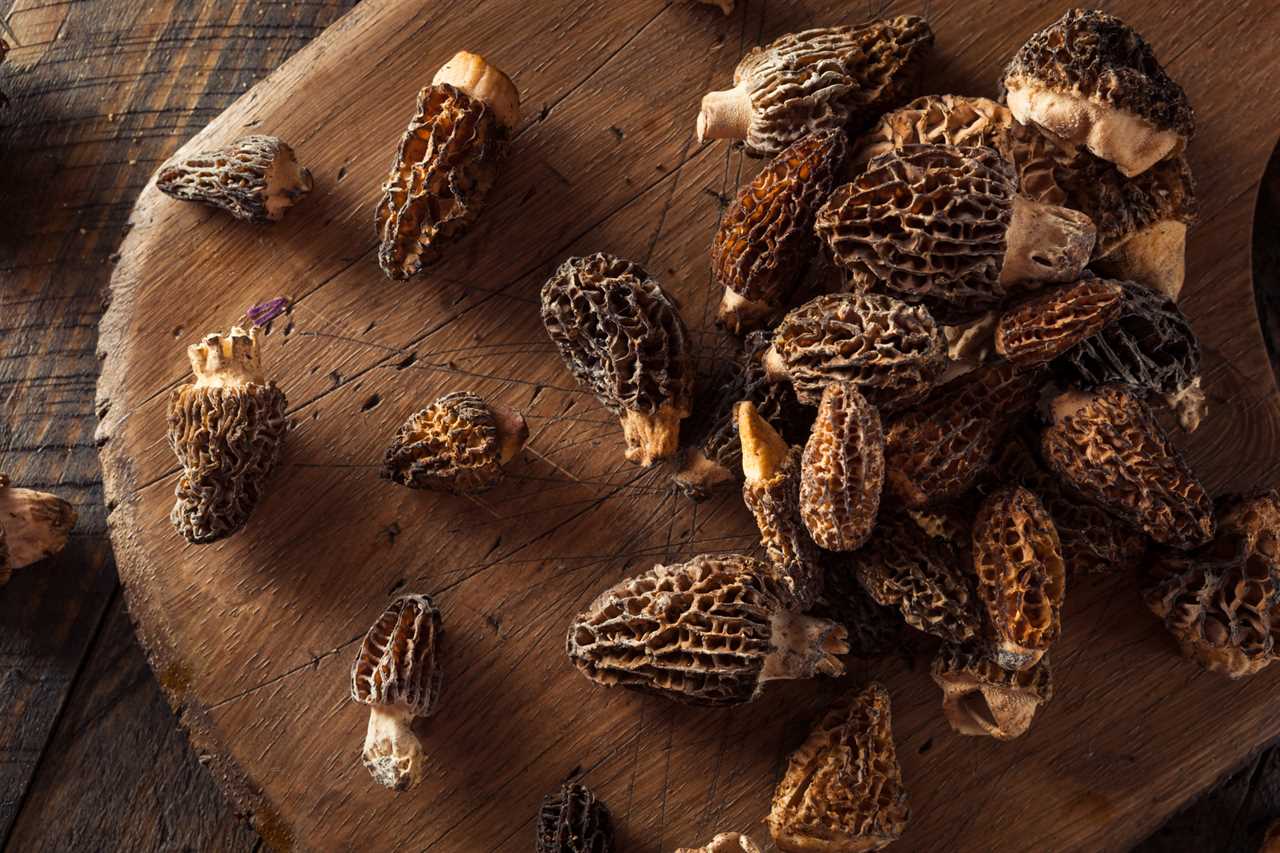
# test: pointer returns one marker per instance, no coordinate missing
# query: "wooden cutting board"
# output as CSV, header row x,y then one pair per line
x,y
253,637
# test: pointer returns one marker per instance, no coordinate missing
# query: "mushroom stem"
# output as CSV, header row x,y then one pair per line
x,y
803,646
651,437
285,183
775,368
482,81
1046,242
392,752
1189,405
1154,256
228,360
984,709
513,431
763,450
33,525
698,475
738,314
725,114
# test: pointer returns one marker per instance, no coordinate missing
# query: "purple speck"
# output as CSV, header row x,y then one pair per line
x,y
268,311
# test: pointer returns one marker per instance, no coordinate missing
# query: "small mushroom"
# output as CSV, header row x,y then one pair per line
x,y
33,525
255,179
830,78
1041,328
572,820
446,164
982,698
1089,79
397,674
842,470
227,429
457,444
725,842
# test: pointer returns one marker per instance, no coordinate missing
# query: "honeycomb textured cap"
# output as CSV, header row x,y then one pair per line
x,y
926,577
621,336
725,842
1041,328
893,352
709,631
33,525
980,697
1221,602
1107,446
255,179
444,168
573,820
456,444
830,78
842,470
766,237
842,789
1021,575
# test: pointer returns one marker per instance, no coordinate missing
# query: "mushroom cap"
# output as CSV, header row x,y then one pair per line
x,y
255,179
573,820
842,470
397,664
1039,329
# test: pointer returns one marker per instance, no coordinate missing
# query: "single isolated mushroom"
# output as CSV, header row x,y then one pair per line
x,y
33,525
227,429
710,631
446,163
842,790
622,338
397,674
725,842
830,78
457,444
573,820
255,179
981,698
1090,80
948,227
842,472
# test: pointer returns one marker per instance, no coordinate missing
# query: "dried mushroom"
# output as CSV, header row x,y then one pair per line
x,y
1107,446
936,451
1090,80
446,163
1022,578
255,179
725,842
457,444
572,820
892,351
1048,324
1149,345
925,577
33,525
831,78
226,429
766,236
842,790
981,698
970,344
874,629
710,631
843,470
397,674
621,337
771,490
947,226
1221,602
711,453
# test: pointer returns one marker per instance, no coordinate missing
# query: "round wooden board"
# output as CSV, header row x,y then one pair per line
x,y
253,637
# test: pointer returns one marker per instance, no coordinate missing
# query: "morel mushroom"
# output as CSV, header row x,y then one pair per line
x,y
1021,575
226,429
1107,446
1221,602
1089,79
947,226
874,629
725,842
924,576
892,351
457,444
771,491
766,236
33,525
843,470
981,698
622,338
831,78
255,179
397,674
936,451
446,164
710,631
1041,328
842,790
572,820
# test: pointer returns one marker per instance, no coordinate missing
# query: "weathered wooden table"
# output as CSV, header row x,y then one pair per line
x,y
90,756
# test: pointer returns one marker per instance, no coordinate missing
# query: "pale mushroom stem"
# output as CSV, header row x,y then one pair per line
x,y
763,450
1189,405
1045,242
471,73
513,432
228,360
737,314
804,646
725,114
286,182
700,474
392,752
775,368
652,437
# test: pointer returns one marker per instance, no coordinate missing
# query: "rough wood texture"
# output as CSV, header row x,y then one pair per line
x,y
252,637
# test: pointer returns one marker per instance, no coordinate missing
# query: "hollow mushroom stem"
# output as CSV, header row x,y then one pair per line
x,y
804,646
392,752
775,367
763,450
513,431
725,114
1046,242
285,183
699,475
228,360
987,710
651,437
471,73
737,314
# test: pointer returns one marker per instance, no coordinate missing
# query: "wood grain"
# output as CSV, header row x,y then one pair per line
x,y
251,637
